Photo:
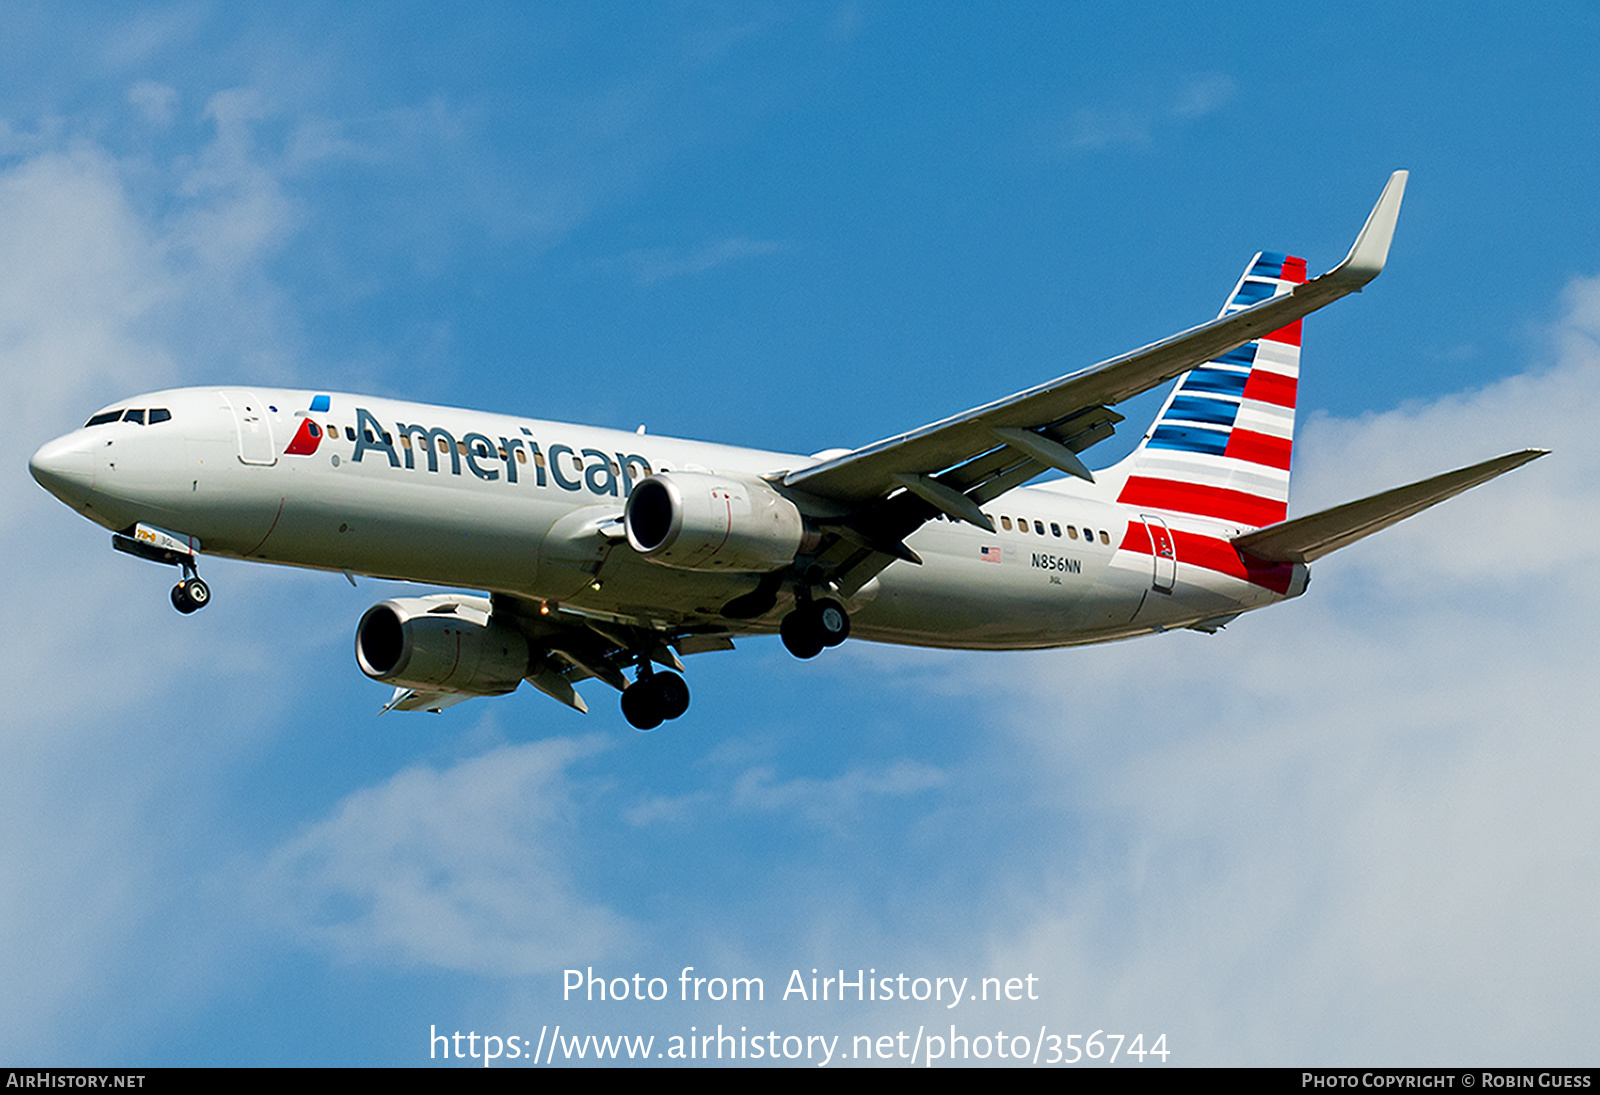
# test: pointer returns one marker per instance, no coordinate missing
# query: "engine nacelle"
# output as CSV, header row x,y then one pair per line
x,y
441,643
701,521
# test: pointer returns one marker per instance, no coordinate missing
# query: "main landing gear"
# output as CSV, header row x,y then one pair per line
x,y
654,698
814,625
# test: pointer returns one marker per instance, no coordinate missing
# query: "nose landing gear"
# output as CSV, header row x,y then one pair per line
x,y
175,549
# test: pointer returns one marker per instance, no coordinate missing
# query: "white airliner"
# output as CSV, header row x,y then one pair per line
x,y
604,551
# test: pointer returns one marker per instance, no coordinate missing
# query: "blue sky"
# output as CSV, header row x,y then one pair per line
x,y
1360,827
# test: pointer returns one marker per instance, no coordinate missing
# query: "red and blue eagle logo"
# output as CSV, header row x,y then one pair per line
x,y
309,435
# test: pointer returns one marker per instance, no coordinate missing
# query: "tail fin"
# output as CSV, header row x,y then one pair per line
x,y
1221,446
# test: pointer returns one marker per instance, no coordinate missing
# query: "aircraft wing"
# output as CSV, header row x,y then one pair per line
x,y
1308,538
986,451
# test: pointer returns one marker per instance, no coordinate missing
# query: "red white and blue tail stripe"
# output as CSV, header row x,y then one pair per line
x,y
1221,446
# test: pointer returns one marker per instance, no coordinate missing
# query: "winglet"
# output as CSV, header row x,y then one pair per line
x,y
1371,249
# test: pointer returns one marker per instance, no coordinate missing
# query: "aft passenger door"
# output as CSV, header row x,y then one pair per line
x,y
1165,555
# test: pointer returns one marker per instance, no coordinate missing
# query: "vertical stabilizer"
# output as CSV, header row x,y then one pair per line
x,y
1221,446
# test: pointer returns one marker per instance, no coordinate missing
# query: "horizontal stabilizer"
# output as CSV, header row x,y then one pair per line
x,y
1305,539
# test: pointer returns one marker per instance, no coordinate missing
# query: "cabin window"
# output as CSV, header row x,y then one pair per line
x,y
405,441
368,435
1072,532
1005,523
349,433
1105,537
1055,530
522,457
444,446
1038,526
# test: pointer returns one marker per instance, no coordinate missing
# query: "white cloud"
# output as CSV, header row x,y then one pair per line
x,y
832,803
242,210
86,276
666,809
1098,127
157,102
1202,95
1134,124
464,868
651,265
846,23
835,802
144,35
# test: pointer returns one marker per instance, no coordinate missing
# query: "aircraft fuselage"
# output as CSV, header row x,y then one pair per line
x,y
476,500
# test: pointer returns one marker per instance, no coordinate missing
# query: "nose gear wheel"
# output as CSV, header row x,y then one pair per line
x,y
191,594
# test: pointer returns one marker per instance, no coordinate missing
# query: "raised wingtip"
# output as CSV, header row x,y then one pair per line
x,y
1371,249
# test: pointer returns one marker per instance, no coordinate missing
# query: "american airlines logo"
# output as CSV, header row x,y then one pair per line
x,y
435,449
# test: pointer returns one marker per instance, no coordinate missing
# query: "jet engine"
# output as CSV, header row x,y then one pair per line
x,y
440,643
702,521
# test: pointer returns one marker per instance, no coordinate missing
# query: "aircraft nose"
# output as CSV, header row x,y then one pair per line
x,y
65,468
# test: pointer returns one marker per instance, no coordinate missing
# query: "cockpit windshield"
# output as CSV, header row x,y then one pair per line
x,y
138,416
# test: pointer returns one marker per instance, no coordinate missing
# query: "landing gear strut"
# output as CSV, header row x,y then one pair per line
x,y
814,625
654,698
